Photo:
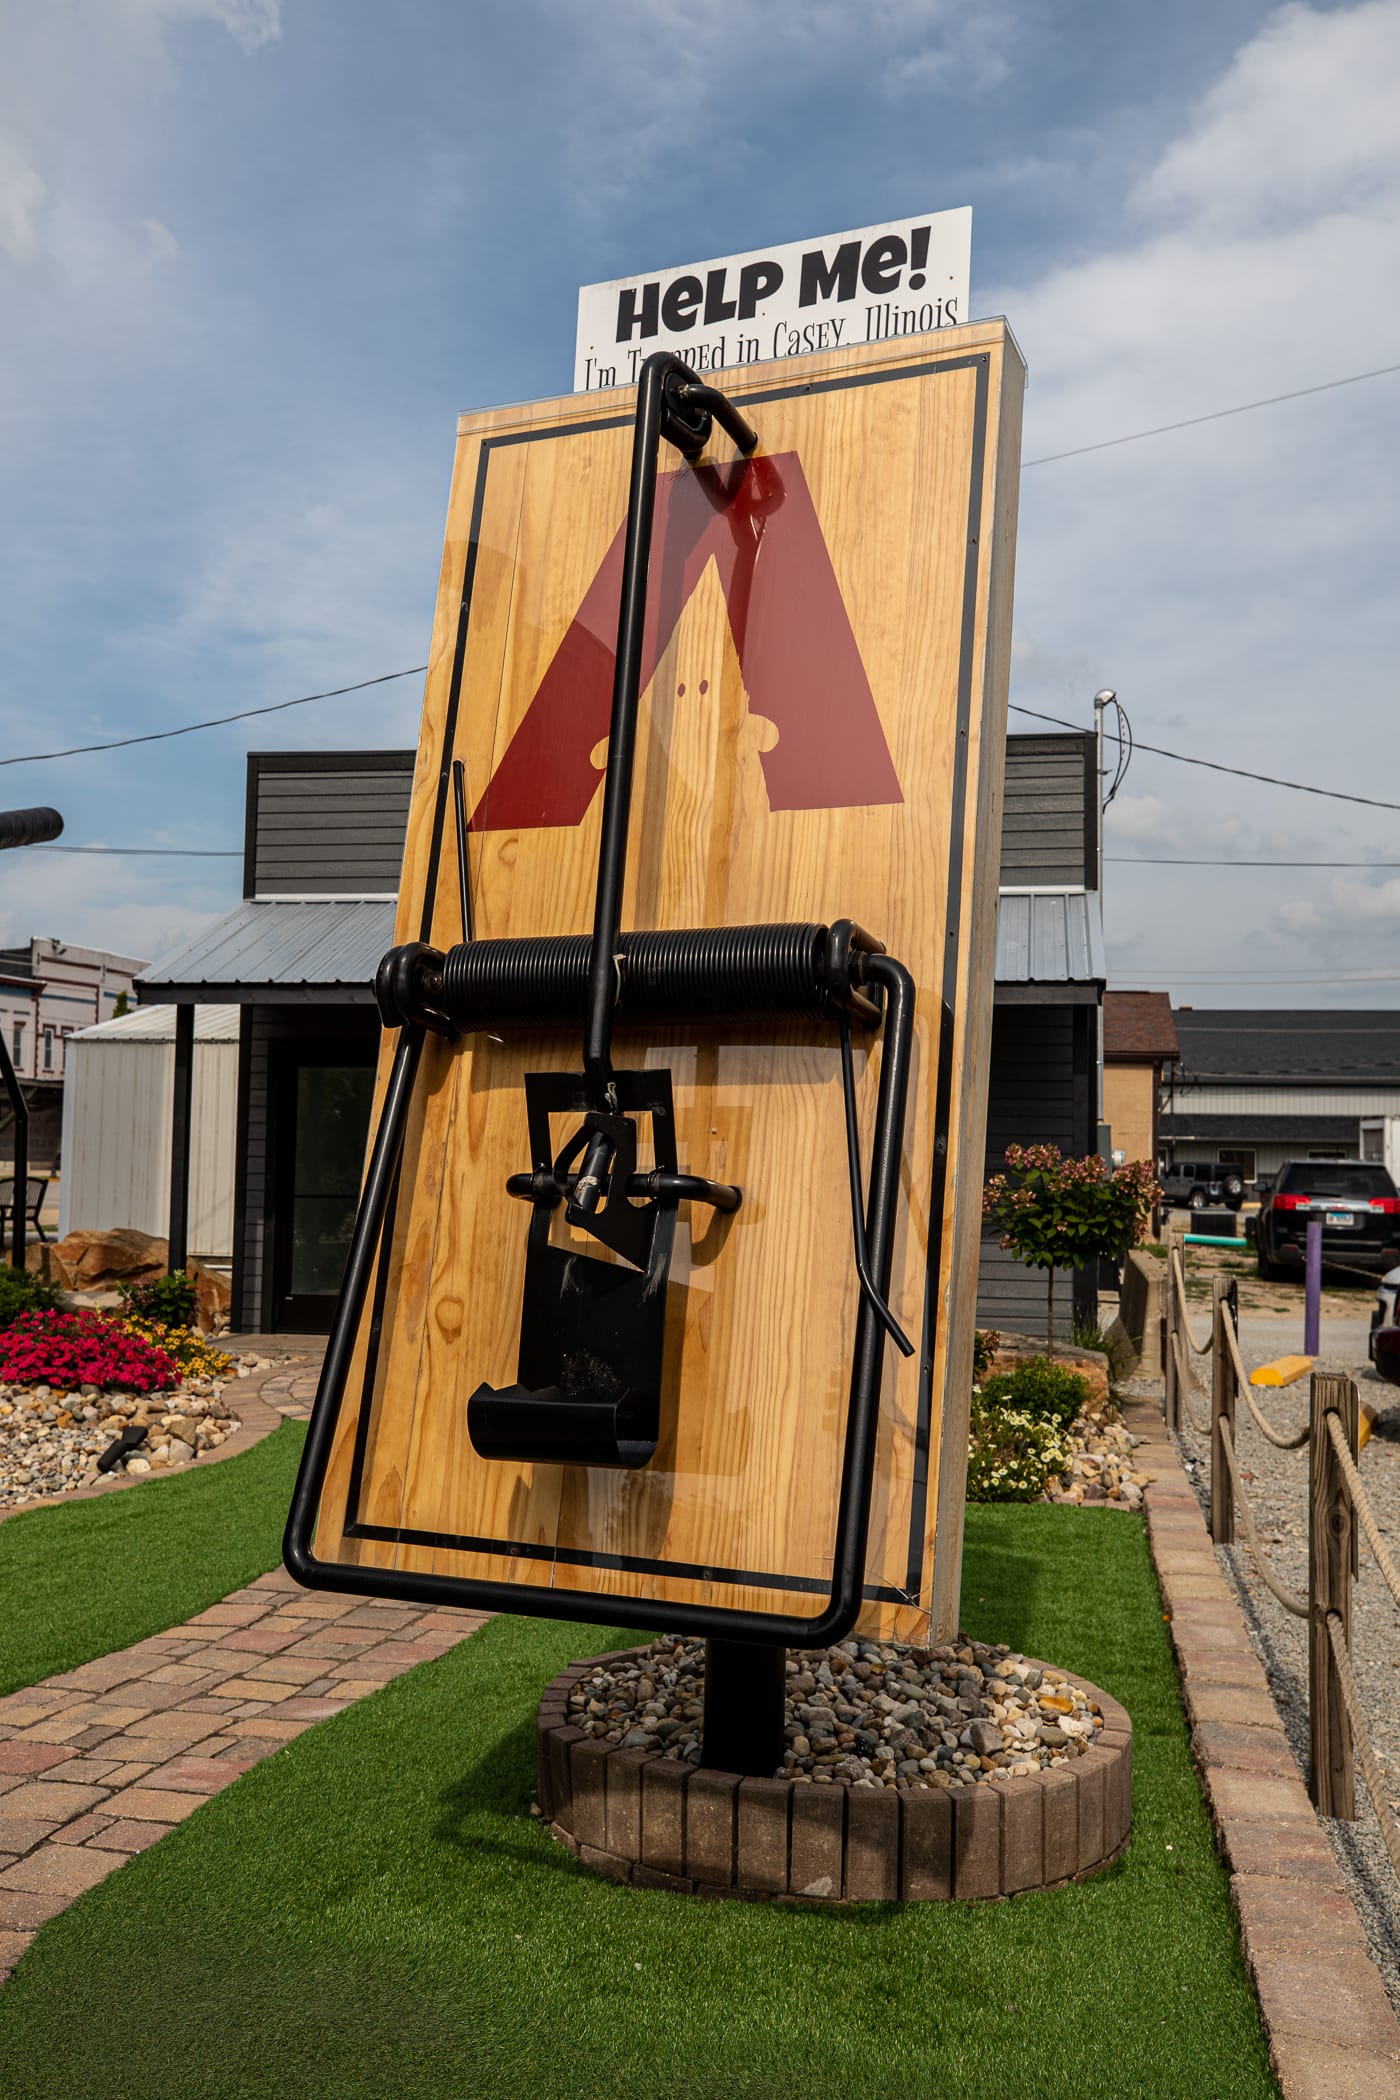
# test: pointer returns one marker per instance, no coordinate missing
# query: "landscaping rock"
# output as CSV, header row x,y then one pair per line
x,y
50,1446
85,1260
213,1296
864,1714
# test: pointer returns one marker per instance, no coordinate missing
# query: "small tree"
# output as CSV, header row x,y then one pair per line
x,y
1058,1213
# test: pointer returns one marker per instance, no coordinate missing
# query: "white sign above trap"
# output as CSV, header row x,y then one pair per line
x,y
906,277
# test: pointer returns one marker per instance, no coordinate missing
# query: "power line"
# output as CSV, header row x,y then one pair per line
x,y
158,736
1189,976
1301,787
1216,415
1133,437
163,852
1147,860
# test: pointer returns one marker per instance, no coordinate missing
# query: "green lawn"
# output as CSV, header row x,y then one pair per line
x,y
371,1914
86,1577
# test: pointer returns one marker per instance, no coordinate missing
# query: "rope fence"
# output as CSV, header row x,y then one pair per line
x,y
1289,1599
1339,1515
1356,1720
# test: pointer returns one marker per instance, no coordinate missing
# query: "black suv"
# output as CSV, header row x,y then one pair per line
x,y
1193,1185
1356,1203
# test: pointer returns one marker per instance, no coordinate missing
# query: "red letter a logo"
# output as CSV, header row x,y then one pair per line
x,y
801,667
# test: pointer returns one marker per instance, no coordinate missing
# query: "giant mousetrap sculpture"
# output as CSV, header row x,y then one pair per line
x,y
652,1210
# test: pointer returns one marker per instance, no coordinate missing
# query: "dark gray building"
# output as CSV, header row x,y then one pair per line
x,y
1043,1087
323,848
322,855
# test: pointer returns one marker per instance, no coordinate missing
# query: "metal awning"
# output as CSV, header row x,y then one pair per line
x,y
287,950
324,949
1050,945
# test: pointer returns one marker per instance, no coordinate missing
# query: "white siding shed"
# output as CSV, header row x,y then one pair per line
x,y
117,1102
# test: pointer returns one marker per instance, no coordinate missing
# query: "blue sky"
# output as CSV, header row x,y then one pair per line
x,y
255,255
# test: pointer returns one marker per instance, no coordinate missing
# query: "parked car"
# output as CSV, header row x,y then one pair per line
x,y
1200,1185
1387,1291
1385,1353
1358,1206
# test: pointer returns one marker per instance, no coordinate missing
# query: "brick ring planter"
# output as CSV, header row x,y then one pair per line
x,y
658,1823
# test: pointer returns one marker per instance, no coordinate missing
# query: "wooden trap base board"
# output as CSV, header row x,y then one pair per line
x,y
823,718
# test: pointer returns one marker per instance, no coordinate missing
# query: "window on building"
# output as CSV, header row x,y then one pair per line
x,y
1241,1156
17,1044
48,1049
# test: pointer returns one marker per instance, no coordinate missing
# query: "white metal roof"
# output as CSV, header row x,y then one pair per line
x,y
1050,937
156,1024
272,942
1044,936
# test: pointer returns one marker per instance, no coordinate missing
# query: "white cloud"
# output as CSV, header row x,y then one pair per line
x,y
659,78
161,244
1348,908
128,911
22,192
251,23
1234,582
98,56
1304,121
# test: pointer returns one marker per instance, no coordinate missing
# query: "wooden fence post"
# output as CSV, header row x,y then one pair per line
x,y
1171,1403
1222,1411
1332,1562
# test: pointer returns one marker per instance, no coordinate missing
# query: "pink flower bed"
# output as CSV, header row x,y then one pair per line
x,y
81,1348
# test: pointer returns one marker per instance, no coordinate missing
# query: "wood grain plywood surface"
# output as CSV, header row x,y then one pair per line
x,y
822,724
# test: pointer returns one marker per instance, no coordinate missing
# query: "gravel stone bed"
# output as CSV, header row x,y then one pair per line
x,y
1101,1464
861,1714
51,1440
1277,1483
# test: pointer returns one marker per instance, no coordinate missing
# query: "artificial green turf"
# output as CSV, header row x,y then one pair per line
x,y
83,1578
372,1912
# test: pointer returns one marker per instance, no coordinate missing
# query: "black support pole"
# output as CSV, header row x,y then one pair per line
x,y
18,1216
181,1103
744,1691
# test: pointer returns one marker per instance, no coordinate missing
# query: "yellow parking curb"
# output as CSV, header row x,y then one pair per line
x,y
1285,1370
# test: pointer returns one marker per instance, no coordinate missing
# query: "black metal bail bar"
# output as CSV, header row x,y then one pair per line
x,y
684,419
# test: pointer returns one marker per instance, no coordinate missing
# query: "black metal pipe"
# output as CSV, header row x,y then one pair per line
x,y
359,1267
459,800
649,1186
744,1696
653,415
694,393
28,827
863,1413
182,1097
836,1618
622,726
867,1282
20,1107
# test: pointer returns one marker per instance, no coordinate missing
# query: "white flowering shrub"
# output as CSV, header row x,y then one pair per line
x,y
1012,1454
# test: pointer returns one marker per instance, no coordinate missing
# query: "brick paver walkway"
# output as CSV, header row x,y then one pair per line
x,y
100,1762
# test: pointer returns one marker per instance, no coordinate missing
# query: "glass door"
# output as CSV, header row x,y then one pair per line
x,y
323,1123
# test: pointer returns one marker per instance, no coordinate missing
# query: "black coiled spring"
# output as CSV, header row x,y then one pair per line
x,y
738,971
